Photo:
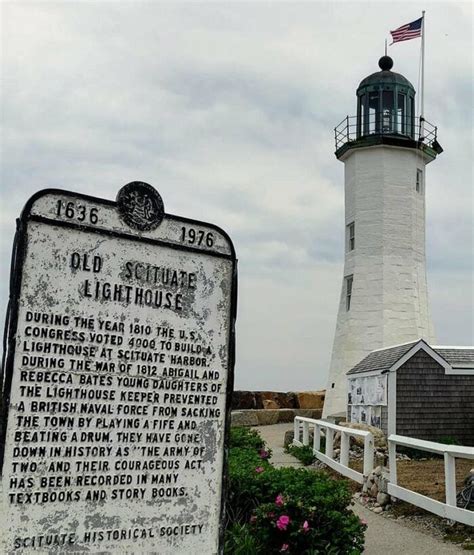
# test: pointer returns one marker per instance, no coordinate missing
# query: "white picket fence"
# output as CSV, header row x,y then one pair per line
x,y
302,425
447,510
450,452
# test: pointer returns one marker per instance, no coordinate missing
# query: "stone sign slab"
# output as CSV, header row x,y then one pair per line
x,y
117,377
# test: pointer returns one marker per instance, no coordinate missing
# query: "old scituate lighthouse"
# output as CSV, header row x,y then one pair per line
x,y
384,297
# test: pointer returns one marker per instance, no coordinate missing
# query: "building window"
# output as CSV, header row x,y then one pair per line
x,y
419,181
349,281
350,241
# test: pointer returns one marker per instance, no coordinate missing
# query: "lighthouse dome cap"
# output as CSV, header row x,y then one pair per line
x,y
385,76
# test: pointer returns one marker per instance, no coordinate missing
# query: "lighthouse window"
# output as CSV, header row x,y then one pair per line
x,y
350,244
419,181
374,112
349,281
387,110
401,114
412,117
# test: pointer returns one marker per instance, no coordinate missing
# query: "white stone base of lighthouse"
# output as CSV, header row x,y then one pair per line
x,y
389,299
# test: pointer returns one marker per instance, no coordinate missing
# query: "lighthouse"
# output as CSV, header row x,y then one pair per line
x,y
384,296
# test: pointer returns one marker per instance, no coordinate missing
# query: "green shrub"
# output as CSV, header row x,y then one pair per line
x,y
240,540
304,454
246,437
259,495
448,440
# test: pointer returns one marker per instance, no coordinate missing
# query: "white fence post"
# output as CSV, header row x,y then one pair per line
x,y
450,479
302,425
449,508
368,454
330,443
345,441
317,438
392,461
305,432
296,429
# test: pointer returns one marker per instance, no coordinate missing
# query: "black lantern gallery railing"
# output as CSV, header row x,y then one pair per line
x,y
351,129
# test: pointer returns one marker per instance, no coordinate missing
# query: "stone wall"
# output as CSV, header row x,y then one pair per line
x,y
274,400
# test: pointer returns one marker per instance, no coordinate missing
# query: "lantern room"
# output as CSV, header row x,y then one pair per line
x,y
386,115
386,103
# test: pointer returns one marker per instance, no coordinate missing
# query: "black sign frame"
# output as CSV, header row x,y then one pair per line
x,y
11,321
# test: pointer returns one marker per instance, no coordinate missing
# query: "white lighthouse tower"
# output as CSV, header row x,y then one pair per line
x,y
384,296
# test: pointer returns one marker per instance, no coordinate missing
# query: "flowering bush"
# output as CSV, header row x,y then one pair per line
x,y
288,525
286,510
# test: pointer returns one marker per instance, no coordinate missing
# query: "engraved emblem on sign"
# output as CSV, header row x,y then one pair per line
x,y
140,206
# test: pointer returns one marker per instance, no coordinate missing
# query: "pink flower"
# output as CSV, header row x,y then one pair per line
x,y
282,522
271,514
284,547
259,469
305,526
253,519
279,501
263,454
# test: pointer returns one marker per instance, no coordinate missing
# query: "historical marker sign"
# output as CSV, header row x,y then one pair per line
x,y
117,378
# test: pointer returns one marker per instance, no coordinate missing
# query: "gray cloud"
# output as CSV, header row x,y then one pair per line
x,y
229,109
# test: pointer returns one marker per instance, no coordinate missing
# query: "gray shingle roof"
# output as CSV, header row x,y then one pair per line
x,y
456,356
382,359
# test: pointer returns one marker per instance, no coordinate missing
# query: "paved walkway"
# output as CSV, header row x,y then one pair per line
x,y
384,536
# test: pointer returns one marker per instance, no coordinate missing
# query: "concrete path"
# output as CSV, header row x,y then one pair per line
x,y
274,436
383,536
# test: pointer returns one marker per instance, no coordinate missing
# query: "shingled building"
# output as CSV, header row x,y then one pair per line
x,y
415,390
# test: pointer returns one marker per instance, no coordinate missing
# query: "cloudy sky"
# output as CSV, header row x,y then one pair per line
x,y
228,109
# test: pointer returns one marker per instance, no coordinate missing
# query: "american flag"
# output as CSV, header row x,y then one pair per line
x,y
408,31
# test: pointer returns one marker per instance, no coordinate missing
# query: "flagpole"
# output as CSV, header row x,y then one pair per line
x,y
422,114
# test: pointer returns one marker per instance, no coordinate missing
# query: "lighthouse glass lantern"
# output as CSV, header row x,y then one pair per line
x,y
384,294
386,103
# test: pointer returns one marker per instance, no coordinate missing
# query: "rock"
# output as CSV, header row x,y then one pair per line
x,y
287,400
374,490
383,484
267,417
261,396
270,404
243,400
244,418
282,400
286,415
378,471
311,399
380,441
378,510
383,499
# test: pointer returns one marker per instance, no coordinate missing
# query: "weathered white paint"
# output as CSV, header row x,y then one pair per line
x,y
450,452
302,424
389,303
50,286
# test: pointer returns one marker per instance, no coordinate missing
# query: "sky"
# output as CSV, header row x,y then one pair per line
x,y
228,110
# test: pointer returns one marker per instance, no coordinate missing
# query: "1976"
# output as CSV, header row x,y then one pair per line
x,y
197,237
